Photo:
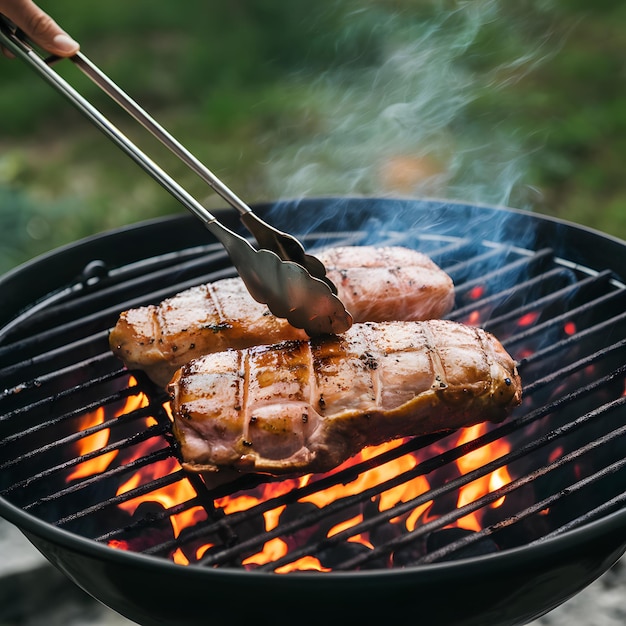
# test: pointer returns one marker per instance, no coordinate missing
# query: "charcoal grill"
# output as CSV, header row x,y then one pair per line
x,y
551,291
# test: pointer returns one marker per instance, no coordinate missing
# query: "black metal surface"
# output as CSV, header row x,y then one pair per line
x,y
551,291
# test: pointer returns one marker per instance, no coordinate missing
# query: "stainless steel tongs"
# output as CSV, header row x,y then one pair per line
x,y
280,274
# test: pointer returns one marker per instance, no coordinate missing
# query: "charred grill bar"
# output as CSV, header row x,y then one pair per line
x,y
555,299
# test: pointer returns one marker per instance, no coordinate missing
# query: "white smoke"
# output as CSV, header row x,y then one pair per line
x,y
402,127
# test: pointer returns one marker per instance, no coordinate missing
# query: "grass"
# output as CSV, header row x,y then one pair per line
x,y
518,103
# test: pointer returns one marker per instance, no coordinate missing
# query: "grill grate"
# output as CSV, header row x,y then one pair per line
x,y
563,322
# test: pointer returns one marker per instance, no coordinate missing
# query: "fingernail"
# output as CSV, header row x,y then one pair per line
x,y
65,43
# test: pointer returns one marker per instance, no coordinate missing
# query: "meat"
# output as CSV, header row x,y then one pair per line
x,y
375,284
308,405
388,283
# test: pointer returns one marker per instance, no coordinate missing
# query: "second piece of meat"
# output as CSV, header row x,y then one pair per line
x,y
374,283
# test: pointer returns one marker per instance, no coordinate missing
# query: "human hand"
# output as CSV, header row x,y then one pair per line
x,y
39,27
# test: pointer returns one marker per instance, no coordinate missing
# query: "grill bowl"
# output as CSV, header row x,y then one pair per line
x,y
510,587
504,589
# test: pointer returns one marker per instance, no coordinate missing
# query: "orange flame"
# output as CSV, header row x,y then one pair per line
x,y
181,491
273,550
474,318
99,439
168,496
179,557
92,443
486,484
346,525
303,564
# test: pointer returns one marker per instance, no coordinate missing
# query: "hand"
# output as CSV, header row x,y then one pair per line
x,y
39,27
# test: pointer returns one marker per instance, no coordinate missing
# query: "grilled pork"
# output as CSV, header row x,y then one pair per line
x,y
306,406
374,283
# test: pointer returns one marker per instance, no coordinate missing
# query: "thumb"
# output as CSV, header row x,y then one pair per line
x,y
42,29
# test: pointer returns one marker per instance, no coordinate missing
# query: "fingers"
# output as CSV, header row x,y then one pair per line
x,y
39,27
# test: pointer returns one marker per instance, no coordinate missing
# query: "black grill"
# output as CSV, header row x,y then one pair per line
x,y
562,320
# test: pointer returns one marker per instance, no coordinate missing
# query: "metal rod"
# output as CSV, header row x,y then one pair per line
x,y
538,259
560,320
144,435
573,340
600,511
157,483
157,455
537,507
150,124
491,301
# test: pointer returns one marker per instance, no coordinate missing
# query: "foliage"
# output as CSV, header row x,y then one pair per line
x,y
526,103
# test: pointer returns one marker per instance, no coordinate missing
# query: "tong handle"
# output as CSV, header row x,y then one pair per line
x,y
152,126
284,245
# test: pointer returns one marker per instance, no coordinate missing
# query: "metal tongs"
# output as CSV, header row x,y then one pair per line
x,y
280,274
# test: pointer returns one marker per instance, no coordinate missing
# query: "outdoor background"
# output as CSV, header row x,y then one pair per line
x,y
520,103
516,103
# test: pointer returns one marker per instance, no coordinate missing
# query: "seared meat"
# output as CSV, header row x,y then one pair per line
x,y
375,284
306,406
204,319
387,284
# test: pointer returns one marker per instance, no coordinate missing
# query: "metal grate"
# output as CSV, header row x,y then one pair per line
x,y
563,322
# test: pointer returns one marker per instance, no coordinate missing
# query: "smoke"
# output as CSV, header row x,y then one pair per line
x,y
404,126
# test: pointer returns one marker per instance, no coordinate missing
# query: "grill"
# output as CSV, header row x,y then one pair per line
x,y
89,468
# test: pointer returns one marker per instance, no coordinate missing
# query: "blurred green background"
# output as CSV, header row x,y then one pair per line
x,y
517,103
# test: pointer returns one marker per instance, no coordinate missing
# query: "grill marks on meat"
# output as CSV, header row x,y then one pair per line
x,y
306,406
374,283
208,318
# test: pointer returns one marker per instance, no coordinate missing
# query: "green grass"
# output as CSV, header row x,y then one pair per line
x,y
522,103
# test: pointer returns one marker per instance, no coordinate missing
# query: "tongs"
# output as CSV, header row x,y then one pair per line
x,y
280,274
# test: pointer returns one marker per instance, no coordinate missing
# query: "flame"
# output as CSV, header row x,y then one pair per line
x,y
497,479
370,478
179,497
303,564
346,525
179,557
202,549
99,439
273,550
474,318
485,484
272,517
555,454
168,497
349,523
92,443
477,292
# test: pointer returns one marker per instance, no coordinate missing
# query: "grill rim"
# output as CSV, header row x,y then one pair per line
x,y
62,547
